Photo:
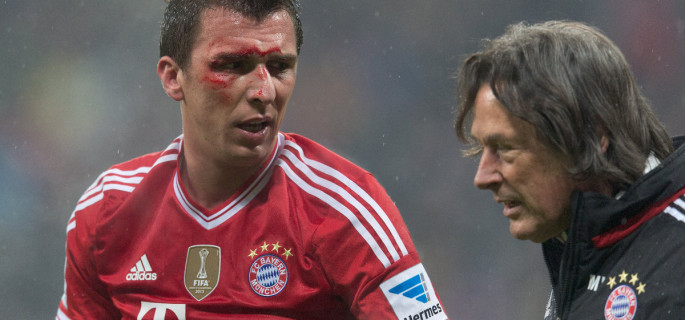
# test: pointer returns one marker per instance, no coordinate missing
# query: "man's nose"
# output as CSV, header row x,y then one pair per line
x,y
262,86
487,175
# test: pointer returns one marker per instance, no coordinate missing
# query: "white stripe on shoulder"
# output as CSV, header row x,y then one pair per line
x,y
166,158
348,197
108,176
677,212
122,180
340,208
355,188
71,225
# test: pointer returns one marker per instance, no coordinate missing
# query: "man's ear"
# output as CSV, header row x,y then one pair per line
x,y
170,73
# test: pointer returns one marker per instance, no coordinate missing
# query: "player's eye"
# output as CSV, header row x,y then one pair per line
x,y
237,66
279,66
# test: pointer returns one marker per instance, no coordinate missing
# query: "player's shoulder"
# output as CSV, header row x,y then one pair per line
x,y
309,152
120,180
130,173
147,161
345,201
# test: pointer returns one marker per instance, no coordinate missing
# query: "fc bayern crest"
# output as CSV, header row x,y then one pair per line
x,y
268,275
621,304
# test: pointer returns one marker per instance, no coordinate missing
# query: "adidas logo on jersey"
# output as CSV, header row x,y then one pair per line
x,y
141,271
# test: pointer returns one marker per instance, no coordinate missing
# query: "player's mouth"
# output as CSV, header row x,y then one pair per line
x,y
256,130
254,126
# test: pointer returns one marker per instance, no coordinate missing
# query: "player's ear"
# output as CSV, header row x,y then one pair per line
x,y
170,73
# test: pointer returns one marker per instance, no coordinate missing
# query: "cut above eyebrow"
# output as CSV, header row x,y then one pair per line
x,y
247,55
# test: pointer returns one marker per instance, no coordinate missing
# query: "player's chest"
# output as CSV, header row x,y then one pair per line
x,y
194,268
255,260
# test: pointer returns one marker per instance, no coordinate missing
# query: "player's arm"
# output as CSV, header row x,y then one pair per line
x,y
85,296
404,291
373,262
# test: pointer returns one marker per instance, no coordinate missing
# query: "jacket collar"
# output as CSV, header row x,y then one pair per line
x,y
597,215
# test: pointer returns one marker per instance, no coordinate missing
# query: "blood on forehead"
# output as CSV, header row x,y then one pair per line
x,y
246,51
256,51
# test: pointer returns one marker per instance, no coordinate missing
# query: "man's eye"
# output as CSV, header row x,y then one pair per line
x,y
502,148
504,153
507,153
239,66
231,65
278,67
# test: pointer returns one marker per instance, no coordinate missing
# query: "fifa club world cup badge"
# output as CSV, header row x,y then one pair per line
x,y
203,265
268,274
621,304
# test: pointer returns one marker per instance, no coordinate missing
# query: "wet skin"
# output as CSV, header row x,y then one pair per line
x,y
233,95
522,173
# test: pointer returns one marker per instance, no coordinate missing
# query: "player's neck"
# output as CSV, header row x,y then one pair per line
x,y
209,184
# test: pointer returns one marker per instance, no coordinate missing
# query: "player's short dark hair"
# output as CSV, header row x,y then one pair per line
x,y
182,19
574,85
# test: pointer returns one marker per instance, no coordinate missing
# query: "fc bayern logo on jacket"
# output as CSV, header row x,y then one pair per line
x,y
621,304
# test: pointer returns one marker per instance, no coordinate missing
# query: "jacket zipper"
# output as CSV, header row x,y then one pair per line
x,y
554,303
567,276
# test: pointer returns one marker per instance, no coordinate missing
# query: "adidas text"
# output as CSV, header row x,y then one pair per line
x,y
142,275
426,314
141,271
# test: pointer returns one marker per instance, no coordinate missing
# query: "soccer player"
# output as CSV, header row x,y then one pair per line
x,y
234,219
572,150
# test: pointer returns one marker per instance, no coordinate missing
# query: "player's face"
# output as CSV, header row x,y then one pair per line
x,y
524,175
240,76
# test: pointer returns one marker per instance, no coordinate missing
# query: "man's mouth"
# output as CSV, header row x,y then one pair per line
x,y
511,207
507,201
511,204
254,126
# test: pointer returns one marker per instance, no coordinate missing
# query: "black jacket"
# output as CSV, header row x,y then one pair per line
x,y
624,258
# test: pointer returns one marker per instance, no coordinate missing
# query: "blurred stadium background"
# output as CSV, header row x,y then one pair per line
x,y
79,92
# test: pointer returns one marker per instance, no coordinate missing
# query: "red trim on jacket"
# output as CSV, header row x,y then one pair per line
x,y
621,231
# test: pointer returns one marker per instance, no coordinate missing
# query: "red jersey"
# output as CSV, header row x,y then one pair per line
x,y
310,236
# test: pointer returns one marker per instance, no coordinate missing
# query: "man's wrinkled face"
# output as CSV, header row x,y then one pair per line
x,y
522,173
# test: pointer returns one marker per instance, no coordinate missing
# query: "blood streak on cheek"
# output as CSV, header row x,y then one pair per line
x,y
218,81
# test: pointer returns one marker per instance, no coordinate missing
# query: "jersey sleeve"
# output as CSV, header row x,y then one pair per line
x,y
369,258
85,296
